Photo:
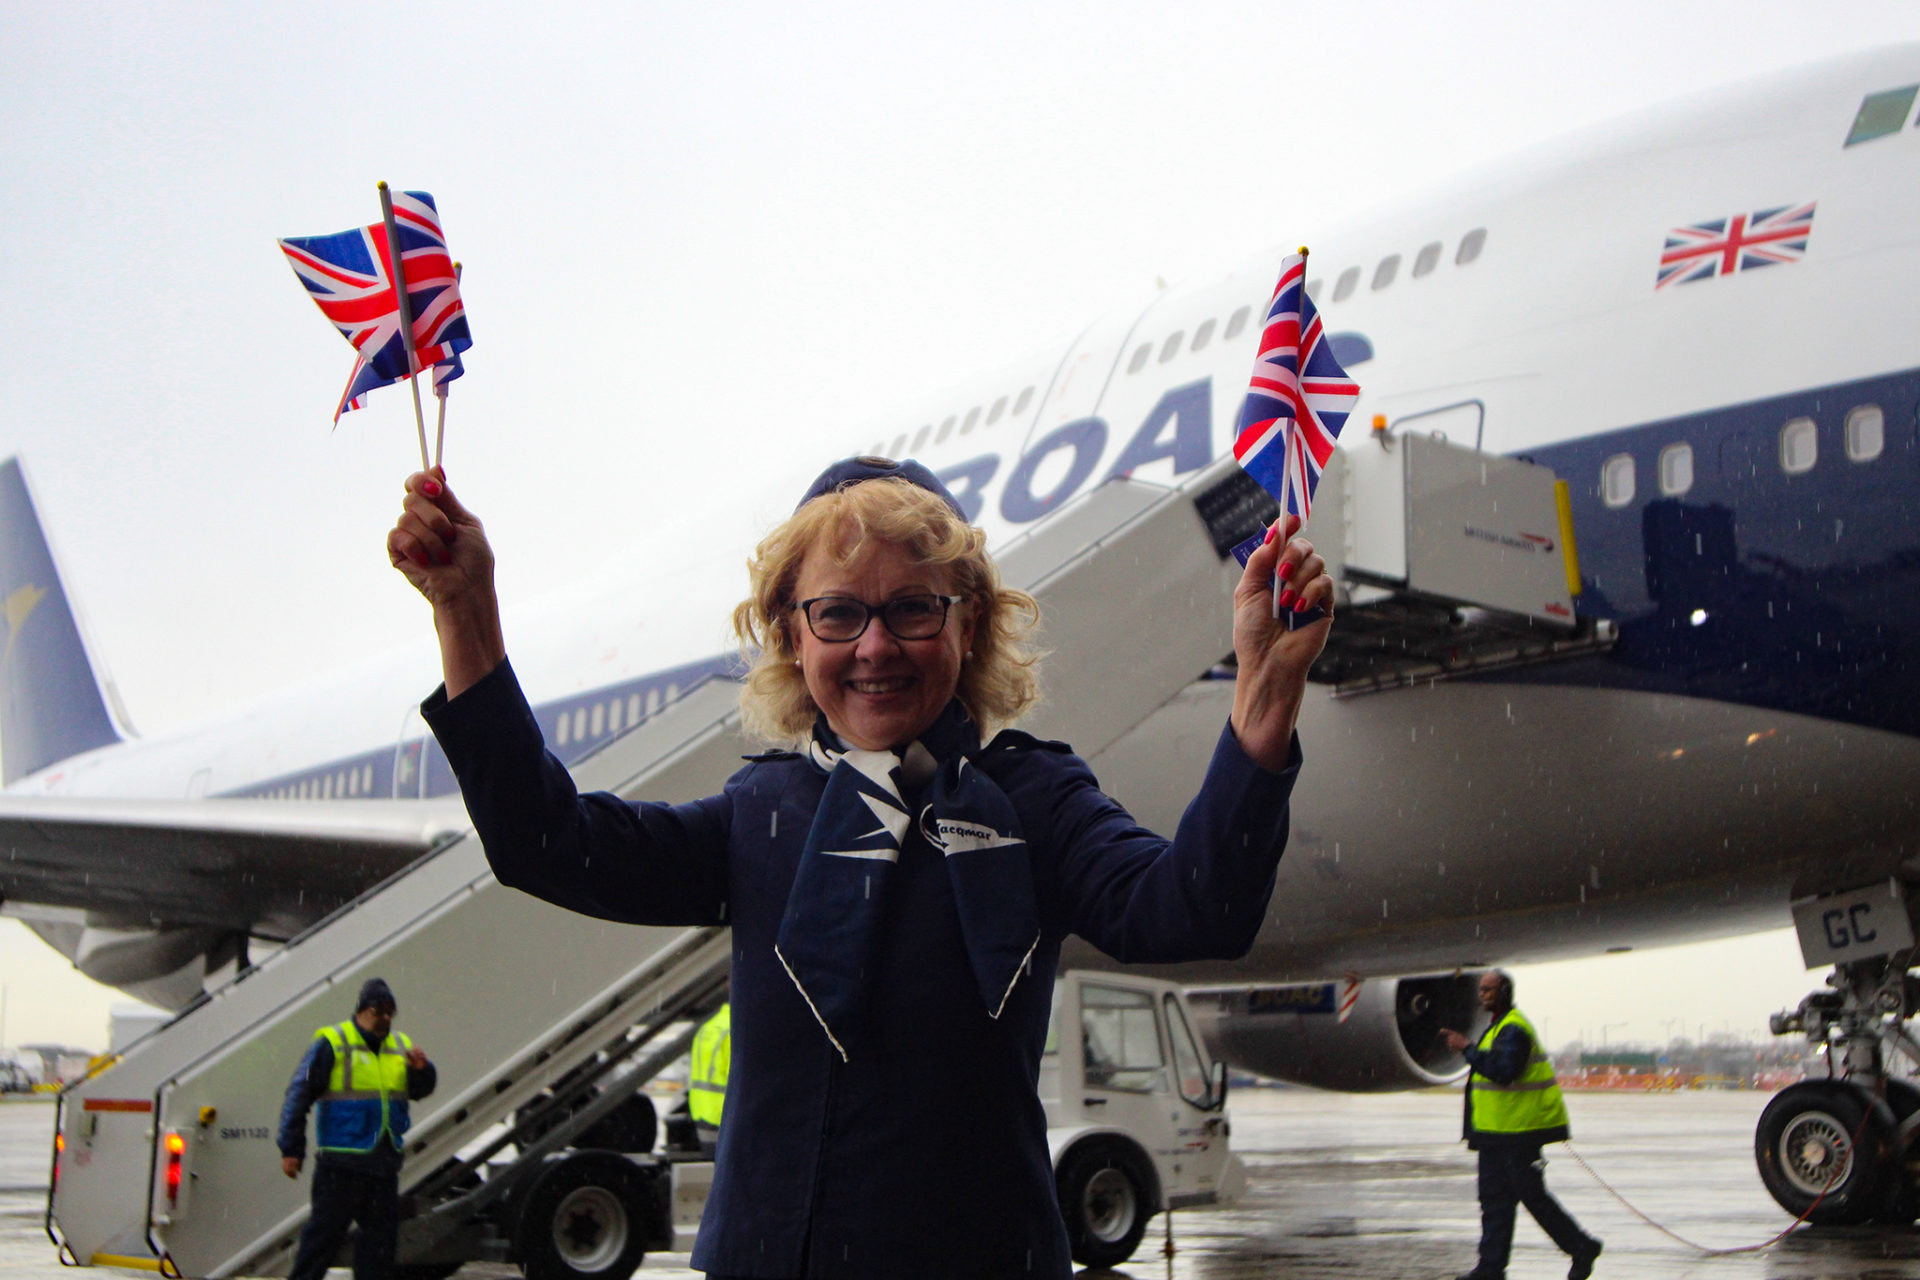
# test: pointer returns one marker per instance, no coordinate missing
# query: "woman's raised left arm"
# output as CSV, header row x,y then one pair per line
x,y
1273,661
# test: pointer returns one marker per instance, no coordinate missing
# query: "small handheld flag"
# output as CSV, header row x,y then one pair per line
x,y
350,276
1296,403
1298,400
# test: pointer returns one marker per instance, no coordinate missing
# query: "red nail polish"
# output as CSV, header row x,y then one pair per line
x,y
431,488
1287,598
1301,605
1286,570
1271,530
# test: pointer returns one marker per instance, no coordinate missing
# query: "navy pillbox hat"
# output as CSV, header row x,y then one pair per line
x,y
851,471
375,994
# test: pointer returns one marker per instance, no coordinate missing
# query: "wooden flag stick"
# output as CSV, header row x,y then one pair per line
x,y
406,317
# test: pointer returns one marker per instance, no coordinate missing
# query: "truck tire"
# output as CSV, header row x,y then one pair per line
x,y
584,1218
1106,1197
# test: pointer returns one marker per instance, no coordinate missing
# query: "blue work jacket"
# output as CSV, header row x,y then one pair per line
x,y
925,1156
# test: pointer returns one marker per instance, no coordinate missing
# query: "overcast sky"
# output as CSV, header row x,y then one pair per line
x,y
705,245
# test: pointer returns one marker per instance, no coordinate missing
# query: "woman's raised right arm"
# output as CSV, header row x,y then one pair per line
x,y
441,548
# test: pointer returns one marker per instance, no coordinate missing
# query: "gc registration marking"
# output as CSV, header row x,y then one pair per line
x,y
1852,926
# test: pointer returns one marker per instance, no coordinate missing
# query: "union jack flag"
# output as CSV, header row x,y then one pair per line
x,y
1739,243
347,276
1298,400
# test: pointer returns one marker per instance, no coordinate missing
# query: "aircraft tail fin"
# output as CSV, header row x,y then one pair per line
x,y
52,703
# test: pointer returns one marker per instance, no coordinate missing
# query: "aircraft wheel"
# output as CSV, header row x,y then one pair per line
x,y
1903,1204
1106,1196
1806,1148
584,1219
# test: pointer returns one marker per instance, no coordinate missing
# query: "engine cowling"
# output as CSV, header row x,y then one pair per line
x,y
1388,1038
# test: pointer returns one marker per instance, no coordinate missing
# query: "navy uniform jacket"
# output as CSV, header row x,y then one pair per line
x,y
925,1156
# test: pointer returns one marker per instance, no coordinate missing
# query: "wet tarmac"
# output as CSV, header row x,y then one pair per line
x,y
1356,1188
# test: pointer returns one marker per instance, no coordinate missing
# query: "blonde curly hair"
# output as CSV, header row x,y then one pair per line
x,y
999,684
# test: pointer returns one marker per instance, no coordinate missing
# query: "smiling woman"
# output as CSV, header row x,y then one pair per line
x,y
899,873
889,547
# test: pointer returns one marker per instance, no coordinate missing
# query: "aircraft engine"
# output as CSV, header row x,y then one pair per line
x,y
1382,1037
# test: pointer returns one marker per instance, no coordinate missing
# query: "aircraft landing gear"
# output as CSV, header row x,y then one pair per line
x,y
1842,1147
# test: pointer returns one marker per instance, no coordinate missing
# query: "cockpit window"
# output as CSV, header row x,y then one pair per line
x,y
1881,114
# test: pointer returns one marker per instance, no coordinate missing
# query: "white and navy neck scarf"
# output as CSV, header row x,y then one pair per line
x,y
839,893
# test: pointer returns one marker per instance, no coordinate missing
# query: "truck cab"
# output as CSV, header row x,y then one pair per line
x,y
1136,1112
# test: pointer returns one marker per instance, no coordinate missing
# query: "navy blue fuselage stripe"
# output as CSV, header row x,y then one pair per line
x,y
1806,586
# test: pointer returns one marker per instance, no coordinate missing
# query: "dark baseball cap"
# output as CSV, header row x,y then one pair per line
x,y
851,471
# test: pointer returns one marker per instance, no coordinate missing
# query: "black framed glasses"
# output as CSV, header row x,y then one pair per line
x,y
839,619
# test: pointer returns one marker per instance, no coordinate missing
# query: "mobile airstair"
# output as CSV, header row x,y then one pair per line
x,y
540,1021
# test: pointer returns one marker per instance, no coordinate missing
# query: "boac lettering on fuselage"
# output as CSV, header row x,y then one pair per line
x,y
1179,427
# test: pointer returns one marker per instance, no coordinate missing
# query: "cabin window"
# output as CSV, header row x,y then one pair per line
x,y
653,700
1140,356
1171,347
1881,114
1616,480
1020,405
1799,446
899,449
1866,432
920,436
1313,289
1120,1040
973,420
946,429
560,734
1235,323
614,708
1343,286
579,724
598,724
1384,273
1428,259
1470,246
1202,336
1676,469
1195,1085
633,709
994,414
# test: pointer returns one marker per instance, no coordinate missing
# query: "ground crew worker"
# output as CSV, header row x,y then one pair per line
x,y
707,1081
1513,1108
363,1073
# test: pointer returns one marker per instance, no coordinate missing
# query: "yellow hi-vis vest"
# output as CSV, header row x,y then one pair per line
x,y
712,1056
366,1092
1531,1103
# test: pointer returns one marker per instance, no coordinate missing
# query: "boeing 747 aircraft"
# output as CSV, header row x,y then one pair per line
x,y
1702,318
